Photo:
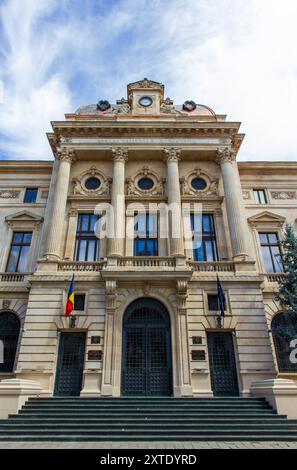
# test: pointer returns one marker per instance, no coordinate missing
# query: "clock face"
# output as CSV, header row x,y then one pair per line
x,y
145,101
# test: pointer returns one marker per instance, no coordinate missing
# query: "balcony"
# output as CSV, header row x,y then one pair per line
x,y
146,262
212,266
273,277
81,266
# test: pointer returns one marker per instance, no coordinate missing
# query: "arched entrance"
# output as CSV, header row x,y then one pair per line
x,y
146,349
284,331
9,335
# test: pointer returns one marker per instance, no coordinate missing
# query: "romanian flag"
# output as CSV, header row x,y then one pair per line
x,y
70,298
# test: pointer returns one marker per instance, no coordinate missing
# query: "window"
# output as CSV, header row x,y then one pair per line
x,y
260,196
9,335
146,235
31,195
92,183
87,244
213,303
284,330
199,184
79,302
19,252
204,238
271,252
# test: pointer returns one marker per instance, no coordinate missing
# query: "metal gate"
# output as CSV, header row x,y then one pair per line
x,y
146,351
70,364
222,364
9,335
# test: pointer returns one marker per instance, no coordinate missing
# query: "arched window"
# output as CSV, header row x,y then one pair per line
x,y
284,330
9,335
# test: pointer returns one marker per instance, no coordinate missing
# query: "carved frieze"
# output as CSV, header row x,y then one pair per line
x,y
246,194
283,195
9,194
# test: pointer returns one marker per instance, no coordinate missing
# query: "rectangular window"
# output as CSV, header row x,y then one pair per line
x,y
260,196
79,302
213,303
270,248
19,252
87,244
204,238
31,195
146,235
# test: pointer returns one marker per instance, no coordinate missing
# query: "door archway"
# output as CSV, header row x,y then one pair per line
x,y
9,335
146,349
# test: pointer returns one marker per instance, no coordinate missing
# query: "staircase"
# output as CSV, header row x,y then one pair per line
x,y
147,419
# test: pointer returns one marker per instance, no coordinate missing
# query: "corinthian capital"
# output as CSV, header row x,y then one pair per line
x,y
225,155
65,155
172,154
119,154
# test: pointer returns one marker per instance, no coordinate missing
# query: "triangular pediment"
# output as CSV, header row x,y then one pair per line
x,y
145,83
267,217
24,216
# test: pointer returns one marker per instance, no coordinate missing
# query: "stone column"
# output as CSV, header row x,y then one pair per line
x,y
183,386
71,234
172,157
238,228
116,242
54,236
109,360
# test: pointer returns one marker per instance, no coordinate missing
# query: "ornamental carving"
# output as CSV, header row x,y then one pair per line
x,y
65,155
283,195
167,107
9,194
123,107
119,154
172,154
211,188
246,195
226,155
80,188
158,184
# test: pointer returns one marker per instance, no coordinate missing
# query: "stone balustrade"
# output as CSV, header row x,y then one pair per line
x,y
81,266
215,266
143,262
13,277
273,277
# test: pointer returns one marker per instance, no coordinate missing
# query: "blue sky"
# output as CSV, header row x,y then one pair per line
x,y
236,56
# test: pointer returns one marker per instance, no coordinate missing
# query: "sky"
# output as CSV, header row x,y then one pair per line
x,y
236,56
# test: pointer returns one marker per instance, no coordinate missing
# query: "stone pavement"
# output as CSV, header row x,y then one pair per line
x,y
149,445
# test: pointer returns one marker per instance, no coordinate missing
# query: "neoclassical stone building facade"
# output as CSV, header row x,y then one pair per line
x,y
146,307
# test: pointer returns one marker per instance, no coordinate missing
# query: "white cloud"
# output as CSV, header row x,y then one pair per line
x,y
235,56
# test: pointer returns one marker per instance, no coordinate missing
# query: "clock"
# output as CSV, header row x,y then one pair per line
x,y
145,101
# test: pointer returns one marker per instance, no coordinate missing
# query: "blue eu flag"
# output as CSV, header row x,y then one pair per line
x,y
221,297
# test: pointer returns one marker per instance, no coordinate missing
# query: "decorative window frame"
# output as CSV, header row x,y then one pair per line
x,y
77,313
211,188
266,222
206,293
79,188
134,190
23,221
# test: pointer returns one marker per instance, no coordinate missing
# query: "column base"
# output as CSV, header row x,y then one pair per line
x,y
14,393
281,394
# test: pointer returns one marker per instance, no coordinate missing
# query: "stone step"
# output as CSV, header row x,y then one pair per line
x,y
144,426
136,419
